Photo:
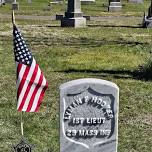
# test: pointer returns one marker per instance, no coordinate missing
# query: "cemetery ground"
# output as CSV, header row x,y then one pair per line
x,y
112,47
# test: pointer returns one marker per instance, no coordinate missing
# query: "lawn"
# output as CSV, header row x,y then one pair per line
x,y
110,49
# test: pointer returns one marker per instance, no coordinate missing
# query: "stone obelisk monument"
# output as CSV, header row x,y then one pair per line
x,y
73,15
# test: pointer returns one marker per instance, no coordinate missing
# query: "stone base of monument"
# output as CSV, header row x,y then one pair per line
x,y
147,22
135,1
73,22
88,18
115,7
59,17
15,6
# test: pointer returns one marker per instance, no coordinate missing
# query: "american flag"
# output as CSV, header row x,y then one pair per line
x,y
31,83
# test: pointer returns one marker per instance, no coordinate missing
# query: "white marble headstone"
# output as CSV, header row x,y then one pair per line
x,y
89,116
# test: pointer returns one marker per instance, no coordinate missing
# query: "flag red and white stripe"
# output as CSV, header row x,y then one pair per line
x,y
31,83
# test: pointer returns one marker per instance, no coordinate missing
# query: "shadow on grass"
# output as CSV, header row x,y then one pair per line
x,y
53,26
144,72
98,25
85,41
82,41
118,74
123,26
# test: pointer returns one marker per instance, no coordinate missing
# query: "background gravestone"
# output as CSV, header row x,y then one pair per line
x,y
89,116
87,1
29,1
135,1
15,5
73,16
2,2
147,21
9,1
114,6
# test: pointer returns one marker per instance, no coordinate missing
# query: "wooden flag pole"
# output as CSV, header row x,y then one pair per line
x,y
22,131
13,17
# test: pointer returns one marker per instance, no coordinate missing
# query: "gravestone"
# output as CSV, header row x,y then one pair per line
x,y
15,5
114,6
135,1
56,2
9,1
2,2
147,20
29,1
89,116
73,16
87,1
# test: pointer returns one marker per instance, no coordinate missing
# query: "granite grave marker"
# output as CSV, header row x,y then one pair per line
x,y
89,116
73,15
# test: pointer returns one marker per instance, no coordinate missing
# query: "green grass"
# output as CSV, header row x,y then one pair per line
x,y
106,49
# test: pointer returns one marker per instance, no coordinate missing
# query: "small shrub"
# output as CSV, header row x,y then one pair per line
x,y
144,71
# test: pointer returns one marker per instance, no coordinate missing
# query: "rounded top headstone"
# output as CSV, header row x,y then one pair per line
x,y
88,80
89,115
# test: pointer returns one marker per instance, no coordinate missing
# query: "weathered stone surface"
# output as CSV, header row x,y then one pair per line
x,y
73,16
89,116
